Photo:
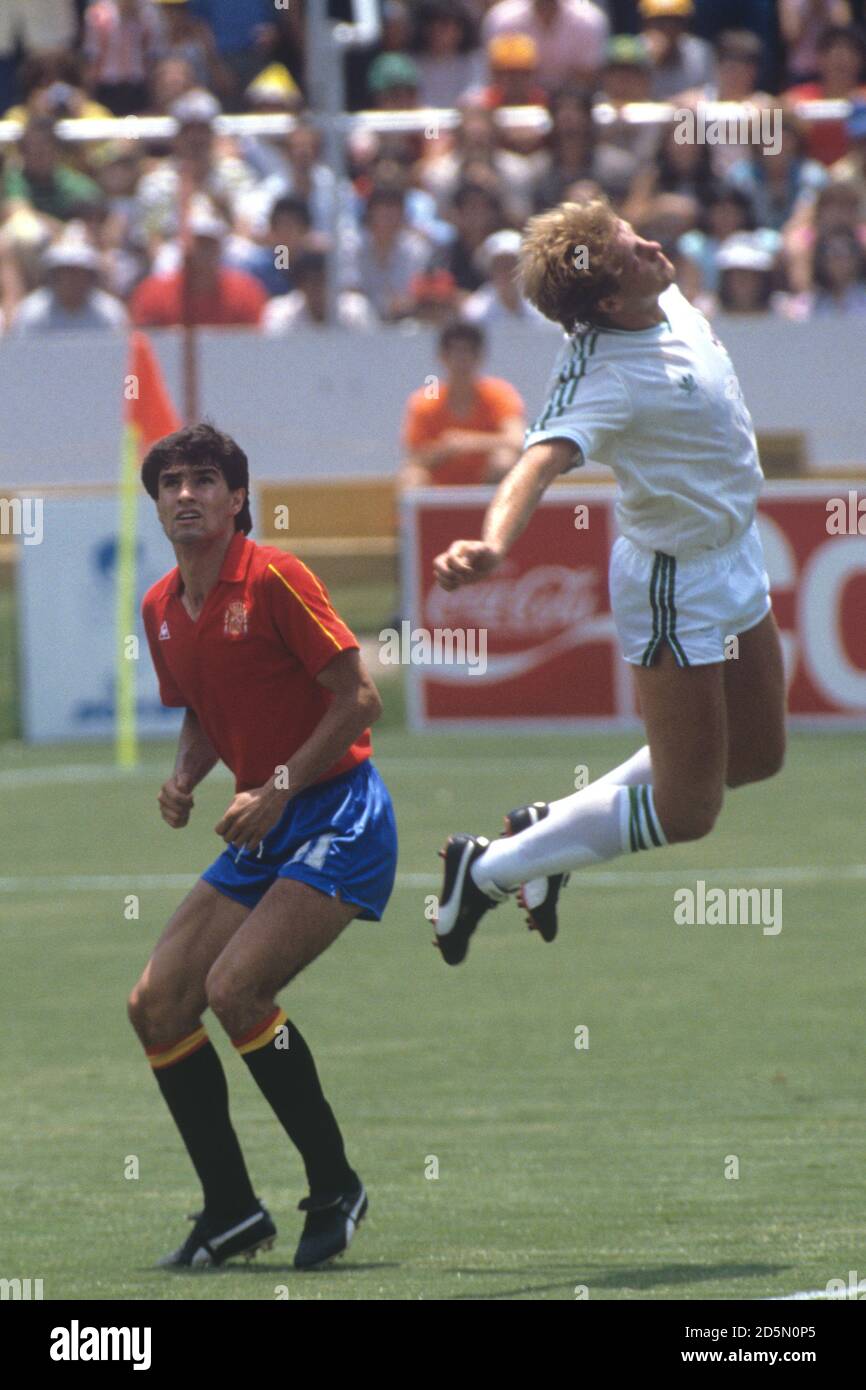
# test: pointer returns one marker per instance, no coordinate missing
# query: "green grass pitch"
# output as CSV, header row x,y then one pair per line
x,y
559,1169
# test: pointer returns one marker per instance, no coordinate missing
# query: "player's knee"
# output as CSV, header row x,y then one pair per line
x,y
161,1015
136,1008
761,763
224,995
691,822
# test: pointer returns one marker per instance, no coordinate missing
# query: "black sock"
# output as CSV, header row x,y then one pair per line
x,y
193,1084
285,1072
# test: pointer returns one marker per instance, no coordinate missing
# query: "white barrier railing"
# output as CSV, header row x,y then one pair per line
x,y
416,120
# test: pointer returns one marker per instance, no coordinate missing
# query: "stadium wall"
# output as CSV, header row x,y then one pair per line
x,y
329,403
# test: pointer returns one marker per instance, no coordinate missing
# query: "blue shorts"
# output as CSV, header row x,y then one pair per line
x,y
339,836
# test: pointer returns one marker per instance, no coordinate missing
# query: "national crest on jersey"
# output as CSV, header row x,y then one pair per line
x,y
236,621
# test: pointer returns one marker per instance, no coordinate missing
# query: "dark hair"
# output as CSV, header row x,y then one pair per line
x,y
430,10
468,190
671,180
201,444
725,300
467,332
310,263
821,254
572,94
56,65
384,193
719,192
739,45
842,33
291,206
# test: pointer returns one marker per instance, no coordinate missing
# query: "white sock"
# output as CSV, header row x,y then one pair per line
x,y
595,824
632,773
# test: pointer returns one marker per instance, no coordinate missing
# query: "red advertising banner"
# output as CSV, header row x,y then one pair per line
x,y
534,646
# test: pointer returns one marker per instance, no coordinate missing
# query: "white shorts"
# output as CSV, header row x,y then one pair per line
x,y
693,604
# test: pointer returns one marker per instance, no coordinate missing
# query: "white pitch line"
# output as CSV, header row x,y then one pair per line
x,y
853,1291
74,773
636,879
94,883
742,873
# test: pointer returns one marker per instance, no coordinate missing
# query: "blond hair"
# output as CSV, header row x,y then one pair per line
x,y
570,260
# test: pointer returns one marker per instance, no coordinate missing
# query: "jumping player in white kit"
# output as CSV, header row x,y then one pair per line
x,y
642,385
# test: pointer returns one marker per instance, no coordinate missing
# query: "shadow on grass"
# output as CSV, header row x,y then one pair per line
x,y
261,1268
637,1280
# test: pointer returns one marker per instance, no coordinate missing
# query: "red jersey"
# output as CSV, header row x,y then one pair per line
x,y
238,298
247,666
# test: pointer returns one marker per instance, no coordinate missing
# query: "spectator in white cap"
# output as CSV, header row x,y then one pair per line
x,y
195,163
71,297
500,300
724,212
745,268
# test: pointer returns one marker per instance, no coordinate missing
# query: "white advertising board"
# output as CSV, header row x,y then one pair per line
x,y
67,623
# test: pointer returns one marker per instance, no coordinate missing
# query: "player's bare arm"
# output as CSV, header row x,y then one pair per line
x,y
465,561
196,756
355,706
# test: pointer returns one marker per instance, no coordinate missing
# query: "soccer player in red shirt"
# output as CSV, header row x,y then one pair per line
x,y
244,637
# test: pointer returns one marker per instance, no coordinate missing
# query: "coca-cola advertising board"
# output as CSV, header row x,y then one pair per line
x,y
534,645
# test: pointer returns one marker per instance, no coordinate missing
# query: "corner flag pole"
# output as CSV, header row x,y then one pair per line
x,y
148,415
189,329
125,727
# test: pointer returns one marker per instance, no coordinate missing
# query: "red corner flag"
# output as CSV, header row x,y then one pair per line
x,y
149,408
148,415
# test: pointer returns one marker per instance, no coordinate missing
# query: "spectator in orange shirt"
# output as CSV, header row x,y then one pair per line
x,y
471,430
217,294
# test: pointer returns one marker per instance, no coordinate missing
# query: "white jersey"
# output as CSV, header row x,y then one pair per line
x,y
663,408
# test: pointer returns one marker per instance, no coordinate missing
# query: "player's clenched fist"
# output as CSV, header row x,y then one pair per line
x,y
464,562
175,800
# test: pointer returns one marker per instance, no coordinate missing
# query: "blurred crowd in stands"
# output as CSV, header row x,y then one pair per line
x,y
241,229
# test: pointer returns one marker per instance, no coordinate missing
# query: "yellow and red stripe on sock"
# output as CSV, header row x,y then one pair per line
x,y
262,1033
177,1051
